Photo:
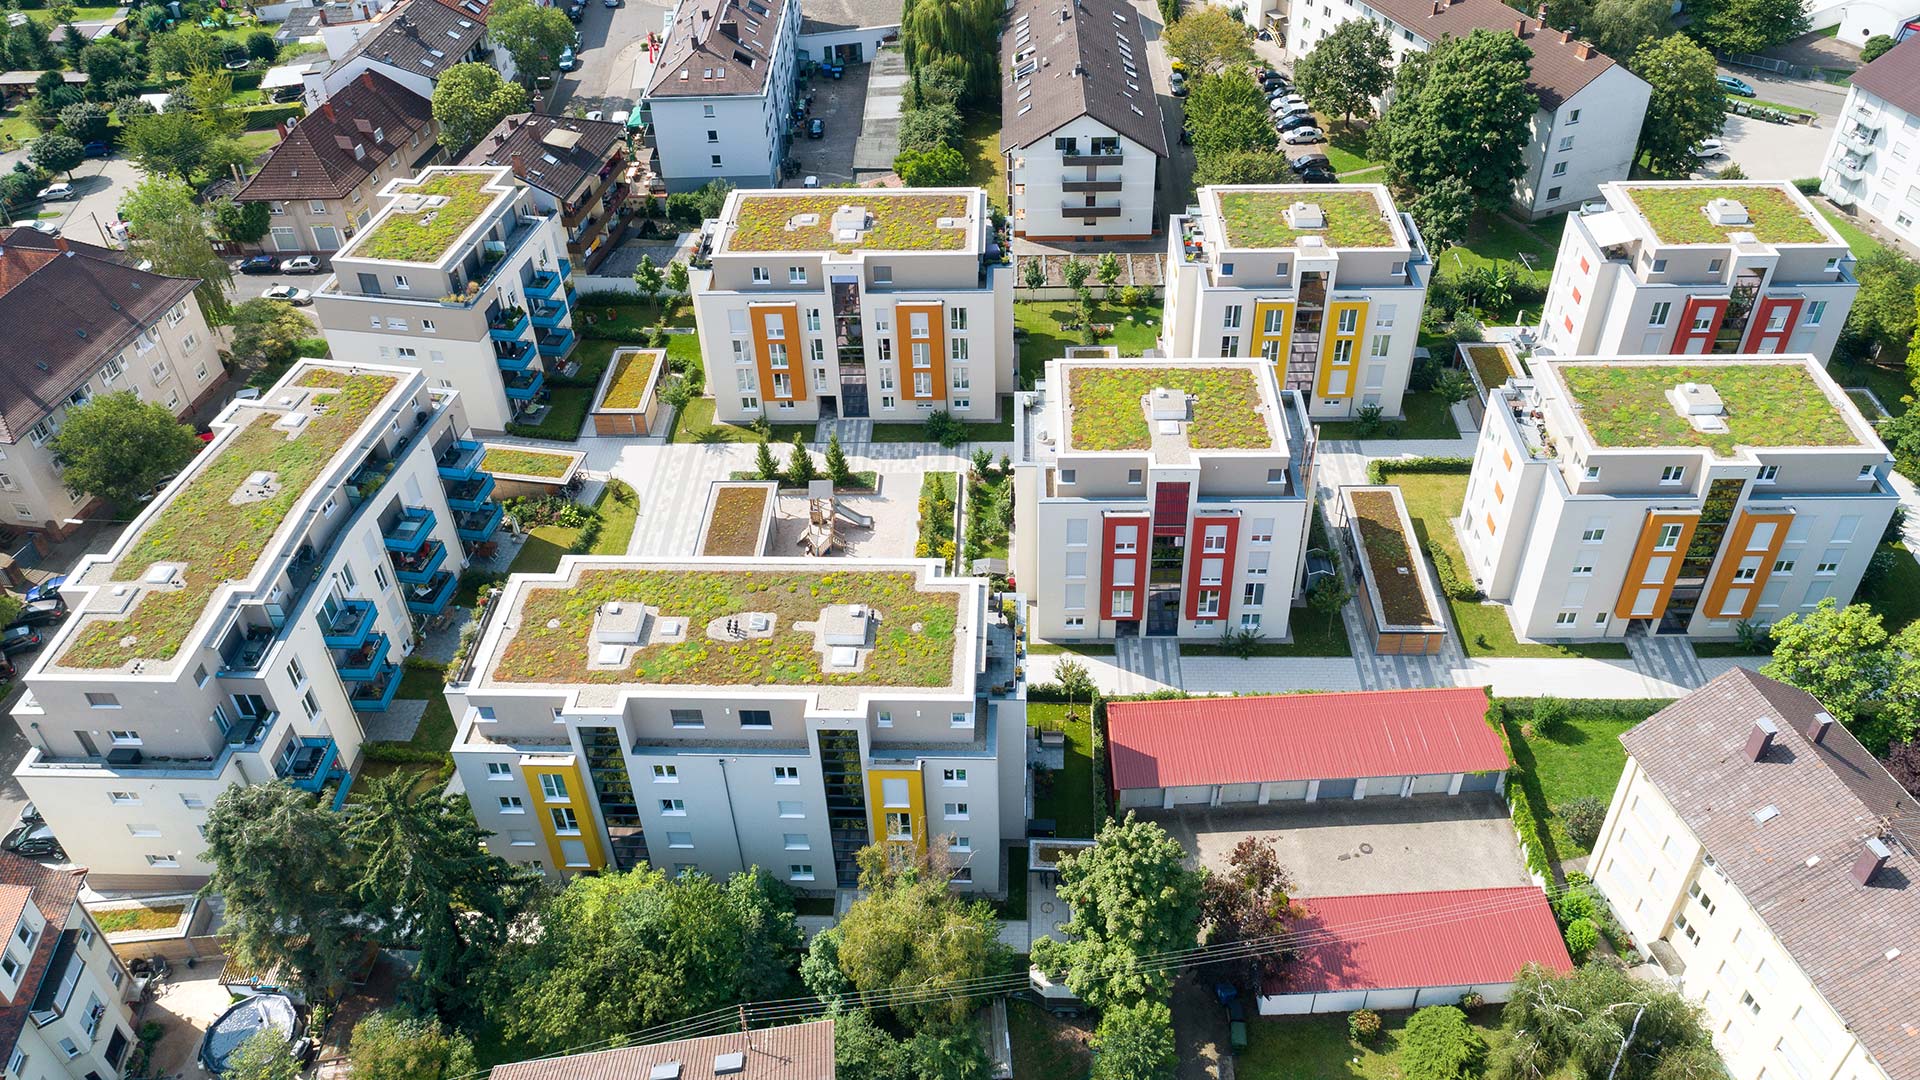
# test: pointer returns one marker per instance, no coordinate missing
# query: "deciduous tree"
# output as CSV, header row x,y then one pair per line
x,y
677,277
911,931
471,98
118,447
1690,104
1621,28
185,50
1883,310
57,153
1135,1042
1462,110
1837,654
1250,900
389,1046
1208,40
648,277
1443,212
958,36
942,166
170,229
1227,112
933,124
241,222
85,121
1605,1024
173,143
534,35
1132,897
109,60
1875,47
267,331
1748,26
1347,69
1439,1044
264,1056
1244,167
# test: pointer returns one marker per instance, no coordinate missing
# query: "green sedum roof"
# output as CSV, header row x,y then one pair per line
x,y
1767,404
1678,215
900,222
1258,219
1103,401
424,237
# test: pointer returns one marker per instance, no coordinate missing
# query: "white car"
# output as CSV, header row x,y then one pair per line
x,y
1709,149
57,192
595,115
47,227
1299,136
301,264
810,182
296,297
1285,106
621,117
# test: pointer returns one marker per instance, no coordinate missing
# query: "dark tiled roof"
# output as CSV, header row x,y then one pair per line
x,y
53,893
1559,68
718,47
798,1052
317,159
1081,55
69,311
1830,797
550,163
1894,76
823,16
418,28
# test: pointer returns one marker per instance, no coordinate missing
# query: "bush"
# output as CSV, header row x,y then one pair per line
x,y
262,117
1583,817
1528,826
1574,904
944,429
1582,936
1363,1025
1439,1044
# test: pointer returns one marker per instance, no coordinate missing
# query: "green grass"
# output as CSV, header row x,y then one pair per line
x,y
627,318
259,142
1433,499
1767,405
1677,217
566,410
1501,239
436,727
1857,239
1044,337
986,166
1897,598
1790,110
1258,219
901,222
1014,907
423,237
1000,430
938,492
1318,1047
1579,756
1889,384
1722,650
1045,1047
1103,402
146,917
1347,152
1070,802
15,128
1314,634
80,15
546,544
1048,648
1428,417
696,424
521,461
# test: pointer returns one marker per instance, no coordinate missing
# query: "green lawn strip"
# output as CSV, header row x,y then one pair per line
x,y
938,493
1756,103
1042,323
1428,417
1014,907
81,15
145,917
520,461
1048,648
1723,650
619,508
628,318
1579,756
566,411
1319,1048
1314,634
545,546
436,726
1503,240
697,425
1897,597
1347,152
259,141
1856,237
1046,1047
986,166
1070,802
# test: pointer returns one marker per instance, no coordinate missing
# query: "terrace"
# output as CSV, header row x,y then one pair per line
x,y
1258,219
1678,214
767,222
1105,411
424,236
1767,404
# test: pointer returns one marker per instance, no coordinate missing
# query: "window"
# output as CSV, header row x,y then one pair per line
x,y
1767,475
519,838
1276,476
310,705
1566,618
11,967
796,841
1673,474
899,826
1553,193
512,804
960,720
1349,320
499,770
102,701
1232,321
687,718
1559,168
1566,143
762,276
1254,594
193,802
954,811
1829,562
1783,566
796,275
800,871
792,809
1816,311
1260,531
953,776
673,807
1573,117
427,326
716,161
883,275
553,787
679,839
1594,533
666,774
957,318
565,822
1582,570
123,798
786,774
1669,538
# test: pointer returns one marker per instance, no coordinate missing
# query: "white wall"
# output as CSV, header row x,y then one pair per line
x,y
1603,120
1886,192
1037,213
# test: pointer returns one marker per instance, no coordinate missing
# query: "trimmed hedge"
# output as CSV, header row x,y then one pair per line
x,y
399,753
1527,824
248,80
1378,468
263,117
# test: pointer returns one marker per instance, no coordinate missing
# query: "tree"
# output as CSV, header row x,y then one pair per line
x,y
1903,761
169,229
1844,657
173,143
241,222
1883,310
209,96
1748,26
1244,167
1135,1042
1621,28
109,60
1439,1044
648,277
1033,274
1443,212
85,121
1690,103
820,969
1107,270
763,463
930,125
1131,896
1227,112
389,1046
118,447
941,166
1607,1024
532,34
1169,12
1875,47
268,331
1074,272
56,152
800,470
261,46
677,277
185,50
29,48
1462,110
911,931
1250,900
838,470
957,36
1209,40
264,1056
470,99
1348,69
280,862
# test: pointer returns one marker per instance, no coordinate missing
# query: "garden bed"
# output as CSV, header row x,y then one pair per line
x,y
738,520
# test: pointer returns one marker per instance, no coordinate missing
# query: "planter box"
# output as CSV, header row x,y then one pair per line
x,y
627,402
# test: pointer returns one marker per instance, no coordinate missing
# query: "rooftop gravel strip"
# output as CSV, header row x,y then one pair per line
x,y
632,374
1679,214
1107,413
913,645
1258,219
1387,550
1766,405
518,462
900,222
218,541
423,237
734,528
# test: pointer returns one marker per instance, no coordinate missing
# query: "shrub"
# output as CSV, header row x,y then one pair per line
x,y
1583,817
1471,1000
1367,423
1363,1025
1549,714
1439,1044
1574,904
944,429
1582,936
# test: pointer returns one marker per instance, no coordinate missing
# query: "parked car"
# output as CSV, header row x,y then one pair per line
x,y
1734,86
301,264
621,117
295,296
33,840
810,182
567,60
98,148
46,589
1294,121
284,94
259,264
37,225
816,128
1270,75
1300,136
610,3
1319,176
1710,149
58,192
1310,161
29,815
1277,91
1178,88
40,613
596,114
576,12
19,639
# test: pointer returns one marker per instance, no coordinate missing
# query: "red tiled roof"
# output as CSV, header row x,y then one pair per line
x,y
317,159
1392,941
53,892
795,1052
1301,737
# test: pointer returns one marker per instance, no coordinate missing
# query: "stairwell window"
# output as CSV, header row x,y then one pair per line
x,y
673,807
666,774
1673,474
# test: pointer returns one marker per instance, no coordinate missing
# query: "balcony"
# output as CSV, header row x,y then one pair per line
x,y
507,326
368,479
566,267
468,494
1864,117
543,285
522,386
417,568
515,357
1857,138
478,526
312,763
573,296
1072,211
250,732
1115,158
245,649
556,343
1851,166
548,316
1090,185
432,597
348,626
460,460
364,661
410,531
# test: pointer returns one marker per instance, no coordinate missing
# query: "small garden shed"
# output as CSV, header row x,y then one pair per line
x,y
628,401
1402,607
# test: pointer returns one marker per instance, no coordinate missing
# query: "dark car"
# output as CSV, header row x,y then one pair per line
x,y
33,840
1297,120
1310,161
259,264
285,94
47,589
97,148
816,128
40,613
19,639
1269,75
576,12
1319,176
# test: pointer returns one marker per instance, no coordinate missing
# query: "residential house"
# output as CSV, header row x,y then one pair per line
x,y
577,170
412,43
66,1003
1872,164
721,91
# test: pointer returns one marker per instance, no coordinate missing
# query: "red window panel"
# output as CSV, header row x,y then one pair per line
x,y
1110,558
1784,310
1584,267
1197,554
1576,294
1699,321
1568,320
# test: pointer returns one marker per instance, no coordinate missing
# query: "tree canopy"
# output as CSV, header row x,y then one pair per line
x,y
1883,309
1244,167
392,1046
268,331
57,152
1350,67
1209,40
1250,900
1227,113
533,34
958,35
911,931
471,98
118,447
1135,1042
1132,897
1844,657
941,166
171,230
1604,1023
1691,105
1747,26
1461,110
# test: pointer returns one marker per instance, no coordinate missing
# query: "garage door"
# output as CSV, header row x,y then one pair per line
x,y
1486,781
1188,796
1385,787
1336,789
1285,790
1138,798
1432,783
1239,793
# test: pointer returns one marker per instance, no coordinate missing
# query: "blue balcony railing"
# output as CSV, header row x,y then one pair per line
x,y
507,327
363,662
518,358
314,762
460,460
470,493
349,626
431,598
556,343
566,266
573,296
543,285
522,386
478,526
411,531
375,694
416,568
548,316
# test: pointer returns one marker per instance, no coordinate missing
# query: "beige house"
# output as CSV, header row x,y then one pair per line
x,y
64,997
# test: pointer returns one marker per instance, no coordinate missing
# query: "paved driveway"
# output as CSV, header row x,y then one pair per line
x,y
1370,846
1786,151
842,104
101,183
611,40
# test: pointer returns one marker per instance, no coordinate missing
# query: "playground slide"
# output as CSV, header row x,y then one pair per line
x,y
853,517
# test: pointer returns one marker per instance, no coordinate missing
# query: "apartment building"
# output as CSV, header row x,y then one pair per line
x,y
1671,268
1588,125
881,302
412,42
1161,497
66,1007
1080,124
1871,164
82,322
321,182
1613,496
1765,861
461,276
721,91
250,615
716,714
577,170
1324,282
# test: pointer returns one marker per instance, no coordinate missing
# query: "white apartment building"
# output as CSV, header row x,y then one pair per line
x,y
1080,124
1612,496
1588,124
1167,498
716,714
412,42
243,622
720,92
1873,159
65,1002
462,277
1324,282
1765,861
880,302
1671,268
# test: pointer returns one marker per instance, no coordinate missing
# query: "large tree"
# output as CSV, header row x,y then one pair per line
x,y
86,121
1747,26
1244,167
1135,1042
242,222
391,1046
1462,110
1443,211
170,229
280,862
1861,674
268,331
1348,69
185,50
470,99
533,34
1605,1023
957,36
118,447
912,932
1883,309
1209,40
1226,112
109,60
57,152
1621,28
1132,897
264,1056
1689,103
173,143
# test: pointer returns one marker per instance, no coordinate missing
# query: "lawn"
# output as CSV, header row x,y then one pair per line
x,y
259,142
1046,1047
1889,384
1043,335
566,411
1767,405
1318,1047
15,128
1432,500
1104,400
1347,152
597,318
986,166
1581,755
1501,239
1856,237
1314,634
436,728
80,14
547,543
144,917
1069,798
1014,907
1897,598
695,424
1428,417
521,461
1000,430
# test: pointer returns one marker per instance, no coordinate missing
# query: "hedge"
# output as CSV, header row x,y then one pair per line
x,y
262,117
400,753
1527,824
1378,468
248,80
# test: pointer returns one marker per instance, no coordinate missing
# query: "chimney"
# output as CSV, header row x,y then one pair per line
x,y
1566,37
1760,739
1520,27
60,242
1583,50
366,79
1817,729
281,128
1873,855
519,164
327,107
1541,14
1436,7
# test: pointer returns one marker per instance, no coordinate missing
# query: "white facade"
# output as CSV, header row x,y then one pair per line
x,y
79,1023
1230,296
1104,176
1873,163
127,751
1858,20
702,130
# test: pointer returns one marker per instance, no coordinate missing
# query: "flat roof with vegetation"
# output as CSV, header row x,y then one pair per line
x,y
425,236
632,373
1390,557
1258,219
901,222
1105,411
525,461
733,526
1767,404
1678,214
199,526
1493,363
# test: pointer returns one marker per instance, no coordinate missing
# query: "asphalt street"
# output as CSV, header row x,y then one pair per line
x,y
611,42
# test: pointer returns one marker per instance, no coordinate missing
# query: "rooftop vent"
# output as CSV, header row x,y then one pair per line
x,y
666,1070
733,1062
1873,855
1164,404
1727,212
951,223
853,219
1700,405
1306,215
845,625
1760,739
1817,729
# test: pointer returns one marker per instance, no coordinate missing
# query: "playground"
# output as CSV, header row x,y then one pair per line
x,y
880,524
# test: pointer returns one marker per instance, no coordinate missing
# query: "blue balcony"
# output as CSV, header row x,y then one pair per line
x,y
375,694
411,531
431,598
417,568
548,316
364,662
543,285
349,625
573,296
522,386
312,763
507,326
460,460
469,494
566,267
557,343
478,526
517,357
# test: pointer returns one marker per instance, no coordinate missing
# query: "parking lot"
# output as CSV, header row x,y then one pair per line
x,y
1341,848
841,104
99,184
1783,150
